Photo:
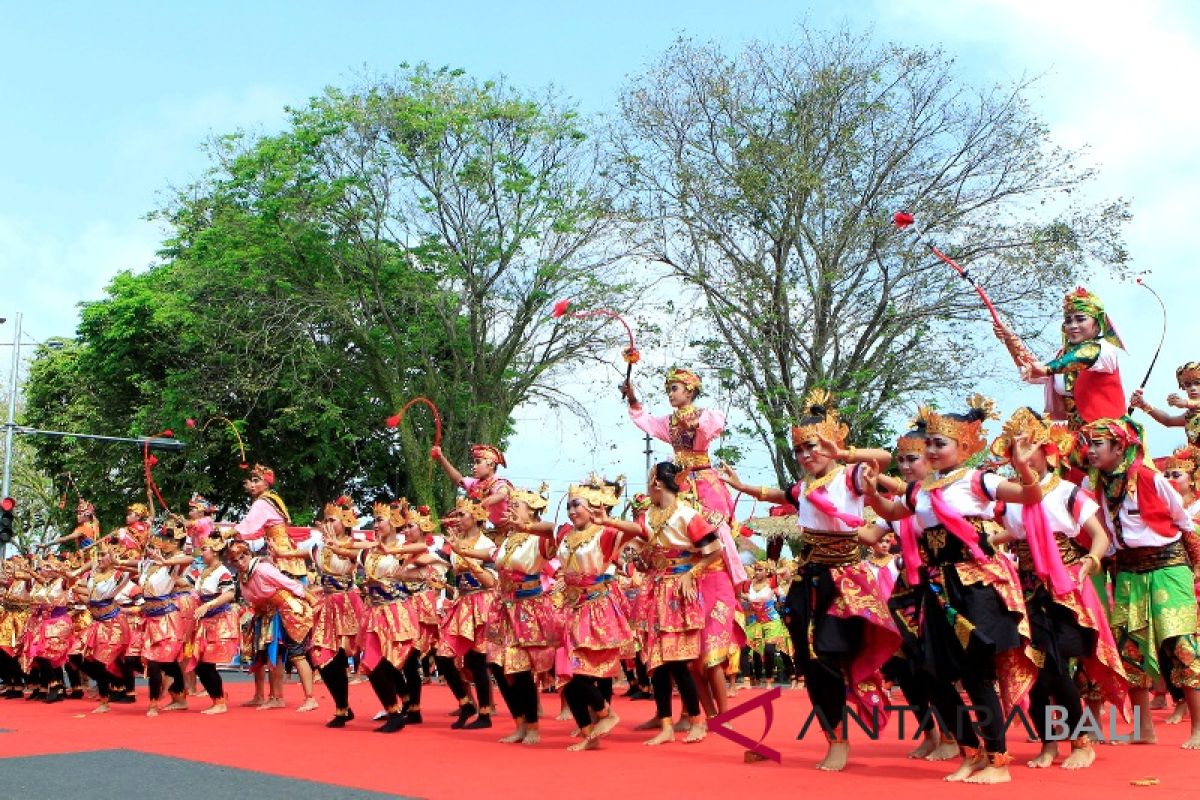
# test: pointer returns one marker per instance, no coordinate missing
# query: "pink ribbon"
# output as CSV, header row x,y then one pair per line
x,y
820,501
886,582
1047,560
909,551
957,524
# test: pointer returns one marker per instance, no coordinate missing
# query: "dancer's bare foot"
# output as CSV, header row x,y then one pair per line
x,y
990,774
152,711
1158,702
604,725
271,703
928,744
101,709
253,702
1177,714
588,743
649,725
1193,741
177,704
1145,733
835,759
1082,754
696,734
532,736
1045,758
563,716
516,736
667,734
218,707
946,750
683,725
971,763
309,704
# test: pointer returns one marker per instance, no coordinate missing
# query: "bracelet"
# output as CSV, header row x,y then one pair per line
x,y
1033,482
850,453
1093,558
762,492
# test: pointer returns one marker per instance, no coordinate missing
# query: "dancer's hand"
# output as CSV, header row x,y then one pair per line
x,y
728,475
1138,400
1022,450
868,479
435,453
688,585
1176,400
627,392
829,448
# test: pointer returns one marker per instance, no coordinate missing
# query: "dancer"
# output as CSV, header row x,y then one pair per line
x,y
464,629
970,612
840,625
523,629
1180,468
484,486
339,605
50,633
680,544
165,631
423,582
14,616
217,636
765,634
391,629
596,633
1154,599
87,528
1066,616
1083,382
1188,378
282,627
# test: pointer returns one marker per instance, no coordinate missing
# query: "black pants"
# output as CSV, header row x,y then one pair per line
x,y
476,662
210,679
454,680
981,688
47,675
389,684
412,679
661,680
519,692
10,671
584,695
74,676
130,666
100,674
337,681
1054,684
154,675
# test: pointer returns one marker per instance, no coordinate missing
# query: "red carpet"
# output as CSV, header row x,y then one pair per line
x,y
433,761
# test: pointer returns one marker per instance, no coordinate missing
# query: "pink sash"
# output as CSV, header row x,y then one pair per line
x,y
1047,560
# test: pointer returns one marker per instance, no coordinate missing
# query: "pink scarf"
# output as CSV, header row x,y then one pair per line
x,y
909,551
821,502
957,524
1047,560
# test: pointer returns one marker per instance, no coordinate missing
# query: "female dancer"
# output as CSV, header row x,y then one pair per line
x,y
680,543
765,634
484,486
1180,468
464,630
217,636
165,632
50,633
1083,382
422,578
13,620
971,616
596,633
339,606
87,529
840,624
523,630
1188,378
1066,617
391,630
107,637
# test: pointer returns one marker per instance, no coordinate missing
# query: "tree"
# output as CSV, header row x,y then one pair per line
x,y
769,179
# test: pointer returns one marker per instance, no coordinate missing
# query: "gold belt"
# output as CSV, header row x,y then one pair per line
x,y
1067,548
692,459
1148,559
832,548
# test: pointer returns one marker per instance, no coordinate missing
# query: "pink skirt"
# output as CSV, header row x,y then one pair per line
x,y
52,638
389,632
669,623
163,637
465,626
106,641
596,634
722,635
216,639
335,625
522,634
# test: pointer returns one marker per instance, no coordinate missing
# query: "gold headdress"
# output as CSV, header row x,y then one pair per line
x,y
343,509
913,441
467,507
141,510
1054,438
966,429
85,507
689,379
173,527
818,404
422,518
1188,373
1080,300
1184,459
537,501
598,492
215,542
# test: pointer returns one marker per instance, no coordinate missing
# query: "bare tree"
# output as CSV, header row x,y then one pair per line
x,y
769,178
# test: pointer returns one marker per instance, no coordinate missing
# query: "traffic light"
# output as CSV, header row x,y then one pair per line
x,y
7,505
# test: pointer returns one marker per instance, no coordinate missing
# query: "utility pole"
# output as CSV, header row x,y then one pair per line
x,y
10,425
649,451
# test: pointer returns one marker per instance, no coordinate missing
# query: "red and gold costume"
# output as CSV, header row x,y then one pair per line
x,y
339,606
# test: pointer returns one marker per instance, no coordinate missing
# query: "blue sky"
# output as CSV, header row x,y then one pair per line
x,y
106,105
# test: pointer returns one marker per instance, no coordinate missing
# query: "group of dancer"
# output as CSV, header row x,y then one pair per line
x,y
1051,566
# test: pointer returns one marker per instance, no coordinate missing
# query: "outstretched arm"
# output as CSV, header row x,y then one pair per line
x,y
437,455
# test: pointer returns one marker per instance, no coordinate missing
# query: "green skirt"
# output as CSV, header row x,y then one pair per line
x,y
1150,608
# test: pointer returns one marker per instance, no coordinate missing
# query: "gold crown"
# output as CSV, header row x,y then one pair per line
x,y
381,511
142,511
343,509
537,501
85,507
1055,438
819,402
969,432
215,542
467,507
596,491
1188,373
173,527
487,452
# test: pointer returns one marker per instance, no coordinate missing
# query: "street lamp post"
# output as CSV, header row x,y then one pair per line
x,y
12,409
